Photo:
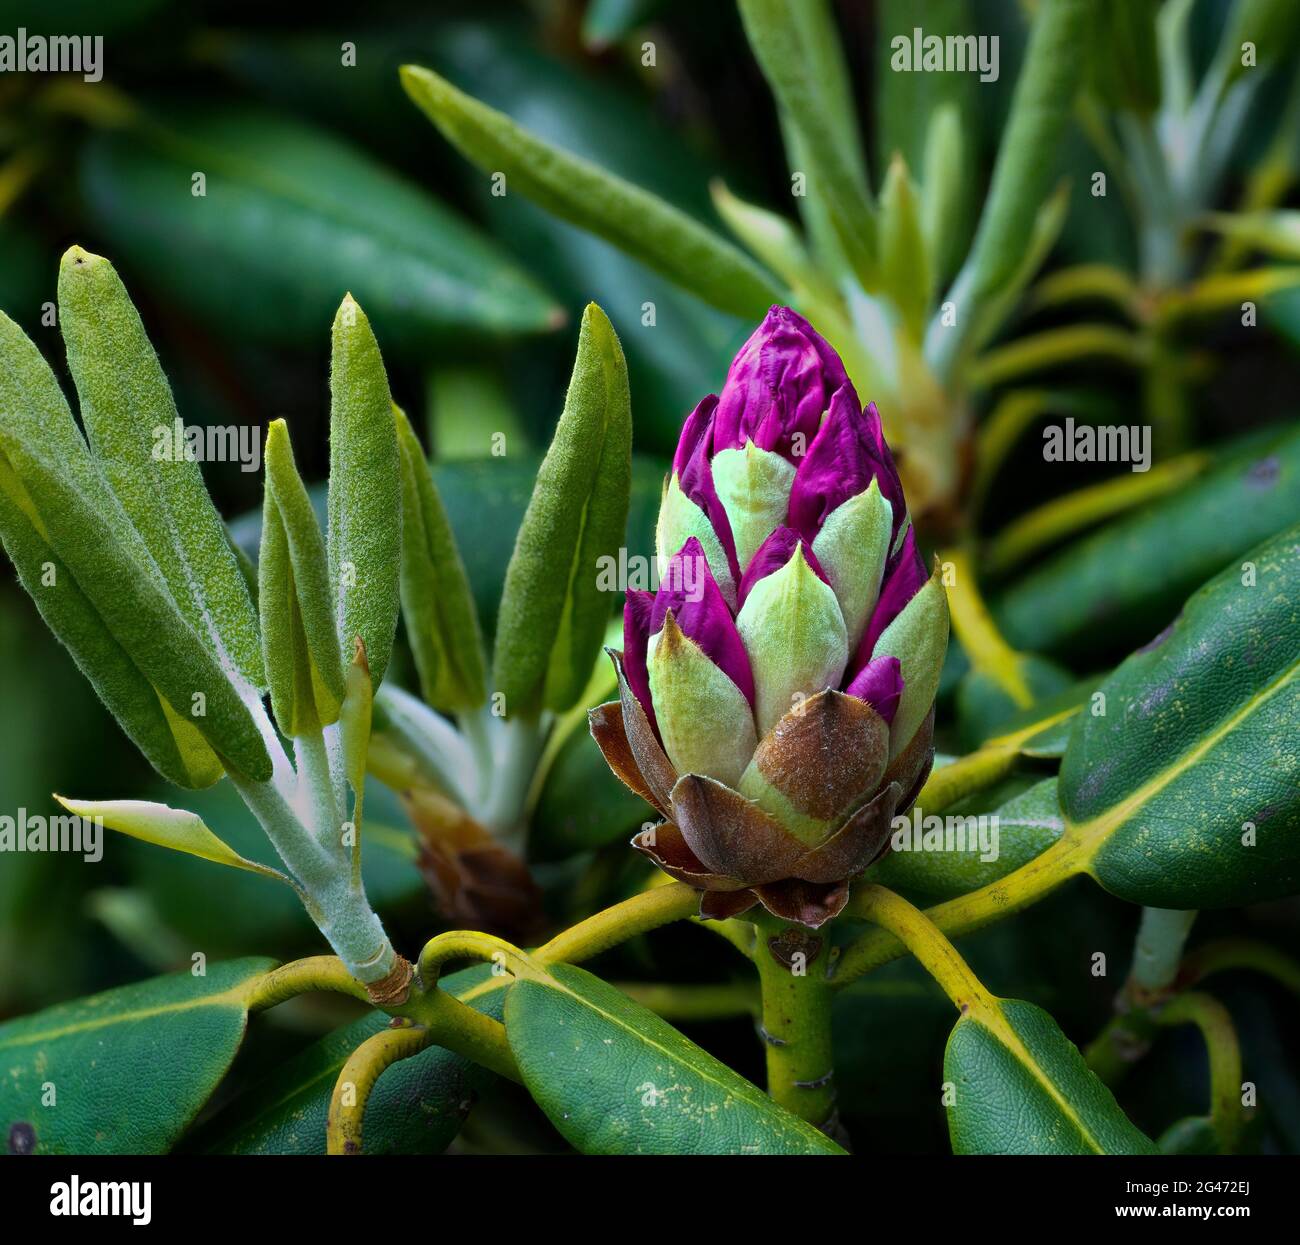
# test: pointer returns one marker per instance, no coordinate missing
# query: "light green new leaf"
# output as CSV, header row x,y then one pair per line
x,y
616,1079
1276,233
131,1067
441,622
175,828
84,523
1031,141
944,190
1021,1087
1186,792
574,189
793,47
138,437
906,268
169,743
301,648
553,611
365,493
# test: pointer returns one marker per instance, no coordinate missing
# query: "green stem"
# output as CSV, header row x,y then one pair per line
x,y
1224,1051
796,1019
1158,950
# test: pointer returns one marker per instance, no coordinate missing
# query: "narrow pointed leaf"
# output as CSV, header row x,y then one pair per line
x,y
791,53
302,656
105,1056
441,623
553,611
1026,162
1186,793
137,436
365,492
616,1079
634,220
906,268
175,828
69,614
1021,1087
92,535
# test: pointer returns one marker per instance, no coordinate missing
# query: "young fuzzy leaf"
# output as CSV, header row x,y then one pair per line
x,y
365,492
138,438
574,189
355,720
793,50
553,612
906,270
301,648
166,827
943,190
1040,112
86,526
441,622
169,743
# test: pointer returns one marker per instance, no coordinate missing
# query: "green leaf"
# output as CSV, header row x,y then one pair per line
x,y
1044,728
416,1107
169,744
1120,585
1024,171
576,190
303,660
137,436
553,610
1186,793
66,497
441,623
292,218
944,190
1021,1087
906,272
166,827
795,45
984,705
129,1068
1124,69
1276,233
365,493
1014,833
616,1079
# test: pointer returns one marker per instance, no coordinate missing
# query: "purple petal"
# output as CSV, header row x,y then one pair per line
x,y
637,610
848,452
691,466
774,553
880,684
778,387
687,587
903,580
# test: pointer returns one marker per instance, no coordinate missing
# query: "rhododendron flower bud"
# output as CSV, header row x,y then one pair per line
x,y
777,690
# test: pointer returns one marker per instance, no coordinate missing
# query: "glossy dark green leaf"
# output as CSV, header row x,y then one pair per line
x,y
633,219
984,705
416,1107
1021,1087
1186,793
1119,586
553,607
292,219
989,844
1043,730
126,1071
616,1079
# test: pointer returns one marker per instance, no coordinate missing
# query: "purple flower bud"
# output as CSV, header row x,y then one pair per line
x,y
772,555
779,387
